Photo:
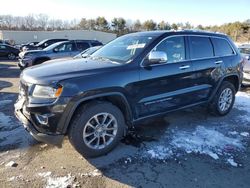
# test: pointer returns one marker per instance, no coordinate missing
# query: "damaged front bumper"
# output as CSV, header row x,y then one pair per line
x,y
22,115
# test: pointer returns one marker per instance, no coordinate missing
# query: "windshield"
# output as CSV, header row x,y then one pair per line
x,y
245,50
52,46
124,48
87,52
41,42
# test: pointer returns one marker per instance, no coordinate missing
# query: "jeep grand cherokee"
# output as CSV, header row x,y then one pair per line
x,y
137,76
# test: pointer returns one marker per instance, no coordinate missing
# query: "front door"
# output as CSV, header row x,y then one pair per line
x,y
166,86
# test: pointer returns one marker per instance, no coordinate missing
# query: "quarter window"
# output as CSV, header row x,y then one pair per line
x,y
221,47
174,47
201,47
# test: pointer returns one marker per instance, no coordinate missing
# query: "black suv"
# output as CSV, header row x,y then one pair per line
x,y
43,44
137,76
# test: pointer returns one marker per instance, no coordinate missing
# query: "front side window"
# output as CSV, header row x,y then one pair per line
x,y
2,47
221,47
201,47
174,47
124,49
65,47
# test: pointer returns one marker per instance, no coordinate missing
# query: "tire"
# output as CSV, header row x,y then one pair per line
x,y
80,131
216,106
11,56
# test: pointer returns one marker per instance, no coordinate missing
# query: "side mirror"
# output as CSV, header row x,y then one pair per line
x,y
157,57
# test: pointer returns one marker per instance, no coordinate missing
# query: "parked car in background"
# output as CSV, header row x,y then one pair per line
x,y
27,45
57,50
135,77
43,44
245,51
5,42
8,51
88,52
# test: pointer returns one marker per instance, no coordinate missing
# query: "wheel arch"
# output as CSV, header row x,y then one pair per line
x,y
232,78
116,98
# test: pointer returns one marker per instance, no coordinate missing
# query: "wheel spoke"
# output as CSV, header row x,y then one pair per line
x,y
104,140
96,119
90,125
88,134
109,135
98,142
89,142
104,118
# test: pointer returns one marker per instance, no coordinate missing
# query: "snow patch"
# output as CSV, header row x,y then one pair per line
x,y
232,162
44,174
95,172
59,182
245,134
202,140
160,152
242,101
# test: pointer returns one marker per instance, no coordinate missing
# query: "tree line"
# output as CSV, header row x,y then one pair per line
x,y
239,31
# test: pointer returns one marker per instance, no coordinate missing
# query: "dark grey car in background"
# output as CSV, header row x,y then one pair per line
x,y
245,51
58,50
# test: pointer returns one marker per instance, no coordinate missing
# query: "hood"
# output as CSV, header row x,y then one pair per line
x,y
57,70
30,52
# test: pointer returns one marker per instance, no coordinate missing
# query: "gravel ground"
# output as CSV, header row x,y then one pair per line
x,y
188,148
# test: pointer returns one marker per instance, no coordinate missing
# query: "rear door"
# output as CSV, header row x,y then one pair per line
x,y
208,68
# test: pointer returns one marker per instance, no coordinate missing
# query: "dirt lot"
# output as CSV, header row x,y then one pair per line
x,y
184,149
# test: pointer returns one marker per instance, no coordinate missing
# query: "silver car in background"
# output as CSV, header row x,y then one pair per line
x,y
245,51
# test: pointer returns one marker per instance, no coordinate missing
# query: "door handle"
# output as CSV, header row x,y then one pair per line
x,y
218,62
183,67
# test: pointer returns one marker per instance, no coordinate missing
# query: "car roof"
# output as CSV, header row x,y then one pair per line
x,y
179,32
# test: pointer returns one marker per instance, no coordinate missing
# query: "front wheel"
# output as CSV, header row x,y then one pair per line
x,y
96,128
223,100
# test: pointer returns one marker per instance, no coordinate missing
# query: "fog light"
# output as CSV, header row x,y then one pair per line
x,y
42,119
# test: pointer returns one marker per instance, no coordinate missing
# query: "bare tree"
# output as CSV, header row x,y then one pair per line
x,y
30,21
42,21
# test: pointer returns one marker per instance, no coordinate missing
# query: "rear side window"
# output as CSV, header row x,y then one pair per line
x,y
201,47
222,47
82,46
174,47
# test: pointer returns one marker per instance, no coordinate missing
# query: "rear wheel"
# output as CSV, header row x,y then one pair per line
x,y
96,129
223,100
11,56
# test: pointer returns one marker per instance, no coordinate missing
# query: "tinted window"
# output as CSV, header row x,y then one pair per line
x,y
82,46
221,47
2,47
201,47
96,44
174,47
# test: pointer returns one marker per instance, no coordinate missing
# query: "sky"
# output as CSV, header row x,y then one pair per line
x,y
208,12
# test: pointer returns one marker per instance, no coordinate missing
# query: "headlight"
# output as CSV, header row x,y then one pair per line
x,y
46,92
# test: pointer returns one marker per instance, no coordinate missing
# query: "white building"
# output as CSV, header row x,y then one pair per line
x,y
20,37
